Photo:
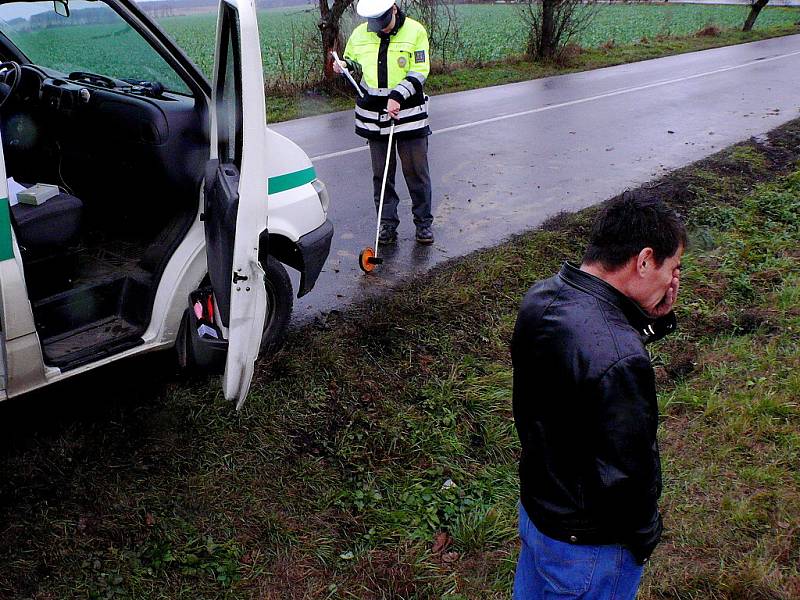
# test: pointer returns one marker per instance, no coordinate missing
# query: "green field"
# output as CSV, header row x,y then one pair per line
x,y
290,39
117,51
492,32
489,32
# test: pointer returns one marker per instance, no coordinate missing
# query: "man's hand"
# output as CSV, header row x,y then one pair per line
x,y
667,302
393,107
337,67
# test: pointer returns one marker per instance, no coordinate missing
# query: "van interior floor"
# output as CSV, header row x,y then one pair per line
x,y
93,300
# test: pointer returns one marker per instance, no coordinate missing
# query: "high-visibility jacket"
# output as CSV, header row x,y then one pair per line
x,y
391,65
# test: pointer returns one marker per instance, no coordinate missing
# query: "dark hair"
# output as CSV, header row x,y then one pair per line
x,y
630,222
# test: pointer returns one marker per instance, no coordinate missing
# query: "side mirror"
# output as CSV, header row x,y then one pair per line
x,y
61,7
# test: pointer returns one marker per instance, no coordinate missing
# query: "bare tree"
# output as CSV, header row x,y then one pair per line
x,y
331,31
755,10
298,65
441,23
552,24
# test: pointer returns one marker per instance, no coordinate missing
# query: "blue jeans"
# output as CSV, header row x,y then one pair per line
x,y
552,570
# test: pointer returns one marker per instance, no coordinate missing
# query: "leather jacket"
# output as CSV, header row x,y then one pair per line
x,y
586,413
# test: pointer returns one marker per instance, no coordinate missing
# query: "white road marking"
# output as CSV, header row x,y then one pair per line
x,y
339,153
618,92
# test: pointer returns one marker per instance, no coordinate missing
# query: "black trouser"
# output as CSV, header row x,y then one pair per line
x,y
414,158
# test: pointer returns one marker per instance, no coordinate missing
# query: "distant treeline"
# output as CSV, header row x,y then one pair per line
x,y
104,15
161,8
176,7
82,16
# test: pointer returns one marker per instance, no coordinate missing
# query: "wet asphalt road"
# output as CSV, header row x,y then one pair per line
x,y
504,159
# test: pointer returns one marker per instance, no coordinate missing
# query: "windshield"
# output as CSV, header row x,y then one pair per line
x,y
92,39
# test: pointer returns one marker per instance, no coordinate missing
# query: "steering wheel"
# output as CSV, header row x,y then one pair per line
x,y
10,76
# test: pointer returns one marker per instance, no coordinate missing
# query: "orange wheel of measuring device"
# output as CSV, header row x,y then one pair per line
x,y
363,260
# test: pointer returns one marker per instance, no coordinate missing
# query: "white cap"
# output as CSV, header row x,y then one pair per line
x,y
373,8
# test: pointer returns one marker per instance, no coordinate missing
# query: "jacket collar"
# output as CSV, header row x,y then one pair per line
x,y
595,286
399,19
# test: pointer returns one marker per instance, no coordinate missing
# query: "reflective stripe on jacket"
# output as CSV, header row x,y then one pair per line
x,y
391,65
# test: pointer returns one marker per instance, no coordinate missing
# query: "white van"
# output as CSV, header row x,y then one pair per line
x,y
141,207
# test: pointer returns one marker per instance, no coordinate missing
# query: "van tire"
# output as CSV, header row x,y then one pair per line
x,y
279,306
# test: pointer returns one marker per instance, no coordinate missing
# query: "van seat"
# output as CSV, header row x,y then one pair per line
x,y
49,226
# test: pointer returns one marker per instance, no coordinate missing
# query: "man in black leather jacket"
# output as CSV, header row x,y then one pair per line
x,y
585,406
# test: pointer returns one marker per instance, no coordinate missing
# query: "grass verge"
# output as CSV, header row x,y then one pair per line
x,y
283,107
376,456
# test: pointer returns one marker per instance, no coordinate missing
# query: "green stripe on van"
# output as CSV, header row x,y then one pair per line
x,y
281,183
6,249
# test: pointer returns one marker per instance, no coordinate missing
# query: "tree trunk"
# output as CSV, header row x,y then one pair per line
x,y
330,41
547,42
331,33
755,10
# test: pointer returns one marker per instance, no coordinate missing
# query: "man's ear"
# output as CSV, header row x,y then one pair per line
x,y
645,261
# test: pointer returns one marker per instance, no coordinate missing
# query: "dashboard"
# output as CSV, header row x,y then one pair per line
x,y
120,110
96,134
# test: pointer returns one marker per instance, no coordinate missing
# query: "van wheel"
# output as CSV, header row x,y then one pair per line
x,y
279,306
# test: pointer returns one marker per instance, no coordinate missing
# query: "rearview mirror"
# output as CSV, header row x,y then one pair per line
x,y
61,7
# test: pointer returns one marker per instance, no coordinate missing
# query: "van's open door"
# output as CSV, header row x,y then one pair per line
x,y
235,211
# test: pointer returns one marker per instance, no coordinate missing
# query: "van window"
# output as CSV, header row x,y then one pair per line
x,y
229,91
92,39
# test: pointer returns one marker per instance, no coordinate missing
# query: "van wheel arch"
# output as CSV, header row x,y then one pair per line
x,y
279,305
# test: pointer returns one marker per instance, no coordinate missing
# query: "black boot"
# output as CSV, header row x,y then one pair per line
x,y
424,234
388,234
